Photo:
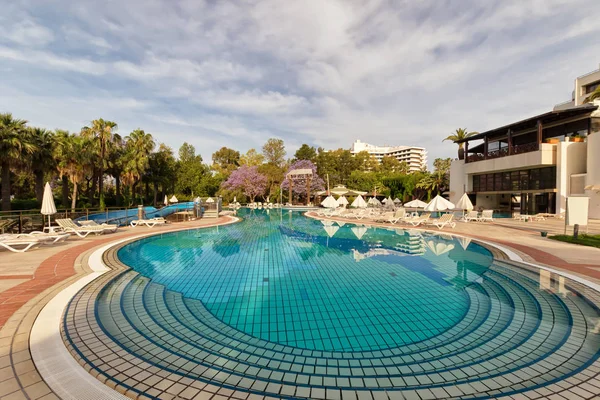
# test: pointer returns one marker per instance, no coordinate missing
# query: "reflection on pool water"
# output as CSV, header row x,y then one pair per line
x,y
283,306
296,281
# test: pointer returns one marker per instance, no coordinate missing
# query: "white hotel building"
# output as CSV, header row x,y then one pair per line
x,y
415,157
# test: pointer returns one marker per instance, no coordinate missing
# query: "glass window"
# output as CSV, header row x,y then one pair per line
x,y
490,182
498,181
476,183
515,182
506,181
524,178
534,179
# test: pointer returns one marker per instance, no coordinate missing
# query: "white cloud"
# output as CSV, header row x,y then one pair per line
x,y
325,73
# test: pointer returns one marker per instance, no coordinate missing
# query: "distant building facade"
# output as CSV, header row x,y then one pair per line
x,y
584,86
415,157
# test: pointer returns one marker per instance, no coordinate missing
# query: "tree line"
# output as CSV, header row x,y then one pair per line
x,y
98,167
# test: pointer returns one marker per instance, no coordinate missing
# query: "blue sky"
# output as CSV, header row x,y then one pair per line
x,y
219,73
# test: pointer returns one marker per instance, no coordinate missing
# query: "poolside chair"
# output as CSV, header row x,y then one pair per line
x,y
6,224
150,223
383,217
399,214
420,220
106,227
446,219
48,237
487,215
69,226
471,216
16,245
539,217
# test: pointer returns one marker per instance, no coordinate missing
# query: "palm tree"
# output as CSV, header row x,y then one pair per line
x,y
116,163
593,96
139,147
100,132
460,134
73,161
14,143
42,159
61,137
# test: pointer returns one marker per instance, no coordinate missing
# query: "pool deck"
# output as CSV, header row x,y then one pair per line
x,y
29,280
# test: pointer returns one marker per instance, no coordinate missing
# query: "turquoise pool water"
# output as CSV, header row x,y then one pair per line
x,y
287,307
292,280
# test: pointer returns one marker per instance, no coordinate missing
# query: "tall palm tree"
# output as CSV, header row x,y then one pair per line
x,y
593,96
139,147
61,137
116,163
460,134
100,132
42,159
14,143
73,161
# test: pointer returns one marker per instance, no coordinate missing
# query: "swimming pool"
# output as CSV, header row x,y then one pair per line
x,y
286,306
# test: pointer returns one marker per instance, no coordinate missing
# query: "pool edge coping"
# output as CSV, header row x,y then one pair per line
x,y
58,368
99,268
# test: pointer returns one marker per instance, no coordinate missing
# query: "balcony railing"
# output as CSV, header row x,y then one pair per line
x,y
503,152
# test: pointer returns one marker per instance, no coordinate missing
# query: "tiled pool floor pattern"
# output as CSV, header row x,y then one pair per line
x,y
288,287
515,339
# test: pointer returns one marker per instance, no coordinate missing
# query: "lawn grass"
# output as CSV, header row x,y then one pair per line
x,y
584,240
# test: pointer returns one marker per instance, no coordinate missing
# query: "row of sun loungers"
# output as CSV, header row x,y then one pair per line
x,y
150,223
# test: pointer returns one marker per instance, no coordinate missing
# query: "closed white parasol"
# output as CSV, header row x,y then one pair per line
x,y
464,203
359,202
166,202
48,206
439,204
329,202
343,201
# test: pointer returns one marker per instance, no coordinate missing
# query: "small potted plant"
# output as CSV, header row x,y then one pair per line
x,y
544,233
552,140
576,138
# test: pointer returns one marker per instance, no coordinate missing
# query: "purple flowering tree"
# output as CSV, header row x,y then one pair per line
x,y
251,182
299,185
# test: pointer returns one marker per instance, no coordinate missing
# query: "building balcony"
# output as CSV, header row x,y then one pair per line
x,y
523,156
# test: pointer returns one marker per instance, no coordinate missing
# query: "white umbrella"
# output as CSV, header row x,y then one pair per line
x,y
373,201
329,202
331,230
389,200
48,206
235,199
359,231
439,204
197,200
210,200
341,223
464,203
173,199
166,202
438,248
464,242
342,201
397,201
359,202
385,201
415,204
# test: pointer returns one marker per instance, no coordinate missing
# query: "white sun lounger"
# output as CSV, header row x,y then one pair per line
x,y
487,215
19,245
150,223
44,236
444,220
71,227
105,227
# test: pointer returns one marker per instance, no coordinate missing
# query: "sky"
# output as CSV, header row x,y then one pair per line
x,y
325,73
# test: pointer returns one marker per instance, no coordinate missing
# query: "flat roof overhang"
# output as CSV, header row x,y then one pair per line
x,y
531,123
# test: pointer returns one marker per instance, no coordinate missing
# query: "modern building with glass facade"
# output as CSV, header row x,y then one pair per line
x,y
532,166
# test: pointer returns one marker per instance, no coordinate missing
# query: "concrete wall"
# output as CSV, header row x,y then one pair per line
x,y
593,172
546,155
570,159
458,180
